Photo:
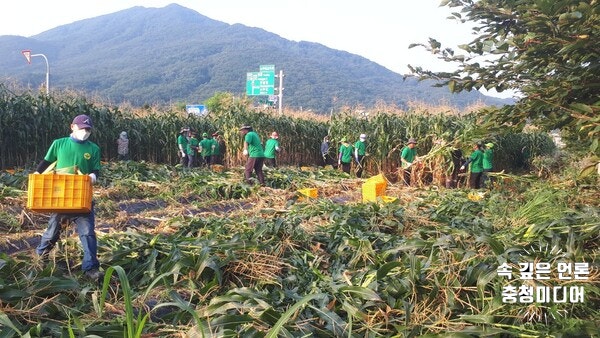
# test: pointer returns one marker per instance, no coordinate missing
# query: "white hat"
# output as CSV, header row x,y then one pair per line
x,y
363,136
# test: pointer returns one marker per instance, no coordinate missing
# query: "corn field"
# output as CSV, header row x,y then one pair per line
x,y
30,123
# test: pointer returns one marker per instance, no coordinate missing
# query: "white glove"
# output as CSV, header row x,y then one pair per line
x,y
93,177
182,153
245,152
462,167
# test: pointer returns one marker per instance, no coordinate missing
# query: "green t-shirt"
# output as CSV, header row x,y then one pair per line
x,y
183,141
255,148
361,147
69,153
192,146
270,148
488,157
206,145
477,161
408,154
217,148
346,153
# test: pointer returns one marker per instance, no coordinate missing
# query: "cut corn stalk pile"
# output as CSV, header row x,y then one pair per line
x,y
205,253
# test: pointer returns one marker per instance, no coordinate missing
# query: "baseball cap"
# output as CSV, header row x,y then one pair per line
x,y
363,136
412,140
245,127
204,135
83,121
489,145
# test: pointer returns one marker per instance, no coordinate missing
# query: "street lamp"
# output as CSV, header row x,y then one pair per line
x,y
28,56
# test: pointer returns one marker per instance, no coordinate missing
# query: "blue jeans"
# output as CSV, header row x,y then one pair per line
x,y
85,229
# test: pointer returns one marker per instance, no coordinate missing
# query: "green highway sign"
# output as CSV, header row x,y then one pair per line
x,y
262,82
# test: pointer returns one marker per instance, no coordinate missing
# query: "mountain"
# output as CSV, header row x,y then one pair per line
x,y
174,54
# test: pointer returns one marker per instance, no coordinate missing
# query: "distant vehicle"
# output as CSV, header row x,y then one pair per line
x,y
196,109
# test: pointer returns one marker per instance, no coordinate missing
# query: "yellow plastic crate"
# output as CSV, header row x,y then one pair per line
x,y
59,193
308,193
373,189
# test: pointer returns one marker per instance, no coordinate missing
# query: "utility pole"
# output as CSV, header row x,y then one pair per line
x,y
280,91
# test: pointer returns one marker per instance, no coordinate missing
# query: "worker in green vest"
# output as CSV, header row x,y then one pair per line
x,y
476,166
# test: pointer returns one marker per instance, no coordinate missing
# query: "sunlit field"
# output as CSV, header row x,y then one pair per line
x,y
200,252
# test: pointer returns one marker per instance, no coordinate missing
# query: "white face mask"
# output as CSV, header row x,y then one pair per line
x,y
81,134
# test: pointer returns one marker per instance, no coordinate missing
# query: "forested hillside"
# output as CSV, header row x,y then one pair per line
x,y
174,54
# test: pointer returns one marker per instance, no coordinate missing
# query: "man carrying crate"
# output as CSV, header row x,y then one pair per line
x,y
74,154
